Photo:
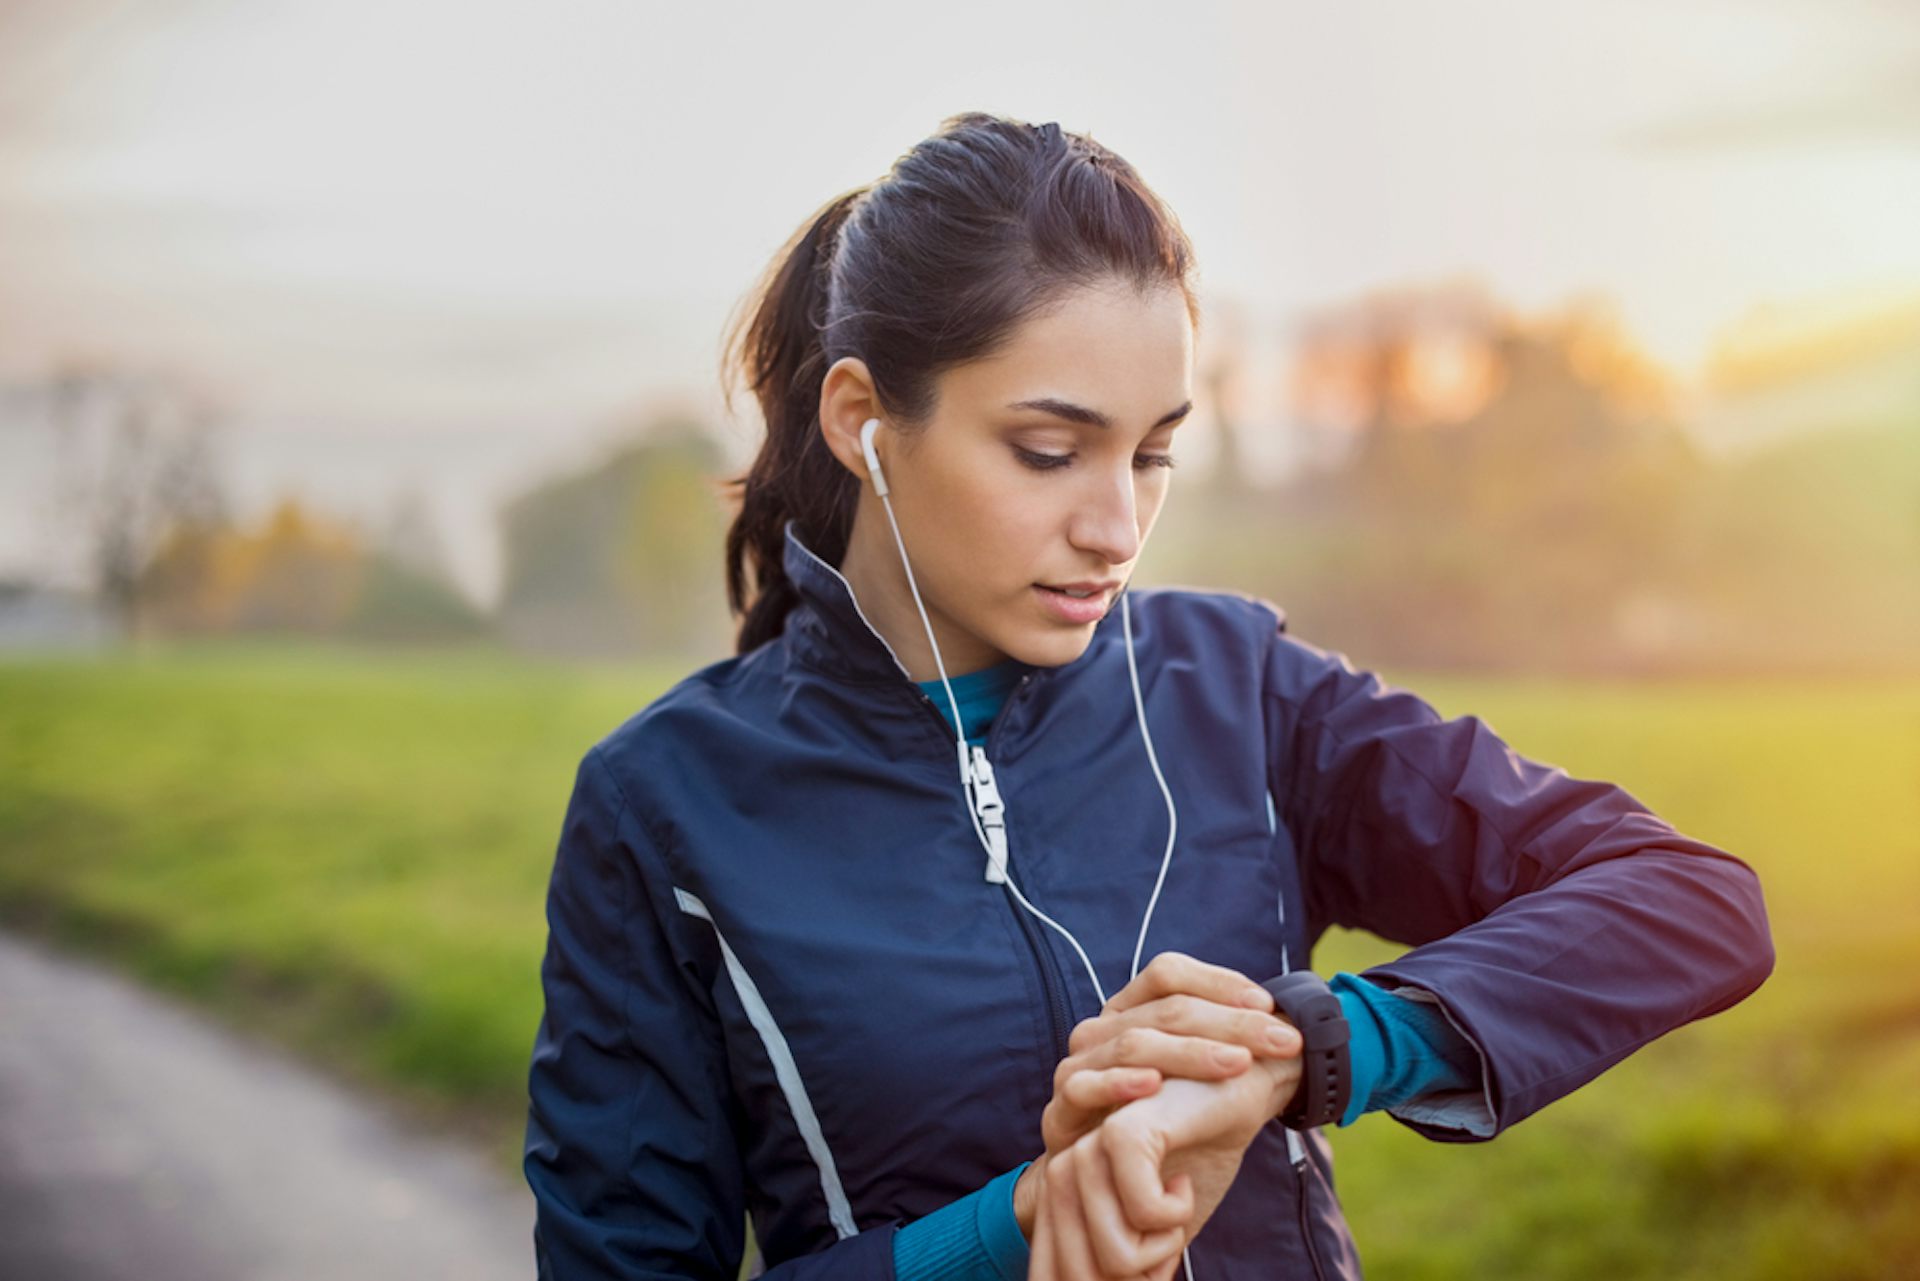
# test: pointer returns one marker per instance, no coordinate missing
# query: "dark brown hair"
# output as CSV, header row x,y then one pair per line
x,y
936,264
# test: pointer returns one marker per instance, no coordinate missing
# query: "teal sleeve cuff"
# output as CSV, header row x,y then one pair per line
x,y
1366,1046
1000,1228
1400,1049
974,1238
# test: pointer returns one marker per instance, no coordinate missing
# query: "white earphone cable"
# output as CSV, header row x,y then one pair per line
x,y
966,779
1173,815
915,589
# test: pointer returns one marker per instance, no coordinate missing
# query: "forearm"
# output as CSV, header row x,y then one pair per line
x,y
1560,984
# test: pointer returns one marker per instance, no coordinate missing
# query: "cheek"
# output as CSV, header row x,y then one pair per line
x,y
1024,537
1151,498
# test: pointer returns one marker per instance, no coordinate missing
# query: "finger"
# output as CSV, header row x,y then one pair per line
x,y
1182,1187
1149,1204
1197,1058
1183,1015
1073,1257
1084,1098
1040,1248
1099,1090
1119,1247
1171,972
1182,1184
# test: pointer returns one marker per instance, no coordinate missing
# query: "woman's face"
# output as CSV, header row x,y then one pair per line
x,y
1042,466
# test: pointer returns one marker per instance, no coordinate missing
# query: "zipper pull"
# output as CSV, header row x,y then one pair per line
x,y
992,810
1296,1149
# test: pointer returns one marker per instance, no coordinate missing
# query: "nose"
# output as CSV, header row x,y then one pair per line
x,y
1105,518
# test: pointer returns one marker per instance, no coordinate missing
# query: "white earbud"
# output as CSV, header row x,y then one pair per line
x,y
867,430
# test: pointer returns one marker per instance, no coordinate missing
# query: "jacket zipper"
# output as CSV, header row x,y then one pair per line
x,y
1049,977
1049,970
1058,1015
1306,1225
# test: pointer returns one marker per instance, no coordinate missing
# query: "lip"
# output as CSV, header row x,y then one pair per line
x,y
1069,610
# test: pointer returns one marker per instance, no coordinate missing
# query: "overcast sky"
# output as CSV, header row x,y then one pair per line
x,y
475,233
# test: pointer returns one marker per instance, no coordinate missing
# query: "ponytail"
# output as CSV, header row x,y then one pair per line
x,y
779,354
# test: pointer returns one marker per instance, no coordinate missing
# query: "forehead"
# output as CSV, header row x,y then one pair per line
x,y
1108,347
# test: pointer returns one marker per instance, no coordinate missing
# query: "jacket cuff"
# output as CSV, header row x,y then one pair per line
x,y
1455,1101
974,1238
1000,1228
1366,1047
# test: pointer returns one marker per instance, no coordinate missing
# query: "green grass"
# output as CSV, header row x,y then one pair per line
x,y
349,851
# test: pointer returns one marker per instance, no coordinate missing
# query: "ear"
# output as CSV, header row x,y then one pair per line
x,y
847,401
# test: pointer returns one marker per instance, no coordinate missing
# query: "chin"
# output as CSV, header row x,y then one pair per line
x,y
1056,650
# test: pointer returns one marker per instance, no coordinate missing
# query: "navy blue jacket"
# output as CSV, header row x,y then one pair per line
x,y
778,983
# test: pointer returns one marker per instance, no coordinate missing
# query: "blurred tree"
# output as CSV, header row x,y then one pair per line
x,y
298,573
409,592
1223,376
1516,491
397,602
137,455
306,576
624,558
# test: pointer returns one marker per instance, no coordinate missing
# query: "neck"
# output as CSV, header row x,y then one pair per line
x,y
872,568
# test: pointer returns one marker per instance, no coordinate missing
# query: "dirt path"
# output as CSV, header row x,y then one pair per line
x,y
139,1141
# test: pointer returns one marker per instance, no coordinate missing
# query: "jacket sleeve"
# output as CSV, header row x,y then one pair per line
x,y
1557,922
633,1131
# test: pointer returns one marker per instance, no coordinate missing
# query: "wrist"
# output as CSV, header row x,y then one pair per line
x,y
1283,1079
1026,1197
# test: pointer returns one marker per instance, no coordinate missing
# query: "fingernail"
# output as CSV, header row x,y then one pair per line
x,y
1227,1055
1256,998
1282,1038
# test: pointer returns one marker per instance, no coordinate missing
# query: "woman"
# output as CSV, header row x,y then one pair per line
x,y
834,921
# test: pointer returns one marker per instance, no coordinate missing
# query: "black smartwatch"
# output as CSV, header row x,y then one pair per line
x,y
1326,1078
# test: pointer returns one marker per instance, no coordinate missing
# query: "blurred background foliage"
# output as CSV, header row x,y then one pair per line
x,y
1478,490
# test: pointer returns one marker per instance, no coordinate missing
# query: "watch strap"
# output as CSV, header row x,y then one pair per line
x,y
1305,1000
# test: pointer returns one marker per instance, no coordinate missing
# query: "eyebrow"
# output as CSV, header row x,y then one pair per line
x,y
1092,417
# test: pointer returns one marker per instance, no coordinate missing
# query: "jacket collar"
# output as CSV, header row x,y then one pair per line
x,y
828,630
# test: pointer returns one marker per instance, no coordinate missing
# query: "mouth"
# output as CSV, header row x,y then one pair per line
x,y
1070,608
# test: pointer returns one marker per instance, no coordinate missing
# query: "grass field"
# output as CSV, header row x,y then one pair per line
x,y
349,852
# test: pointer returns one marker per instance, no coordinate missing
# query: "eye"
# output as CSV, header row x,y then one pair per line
x,y
1049,462
1041,462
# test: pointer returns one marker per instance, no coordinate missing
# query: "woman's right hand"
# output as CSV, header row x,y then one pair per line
x,y
1063,1244
1180,1017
